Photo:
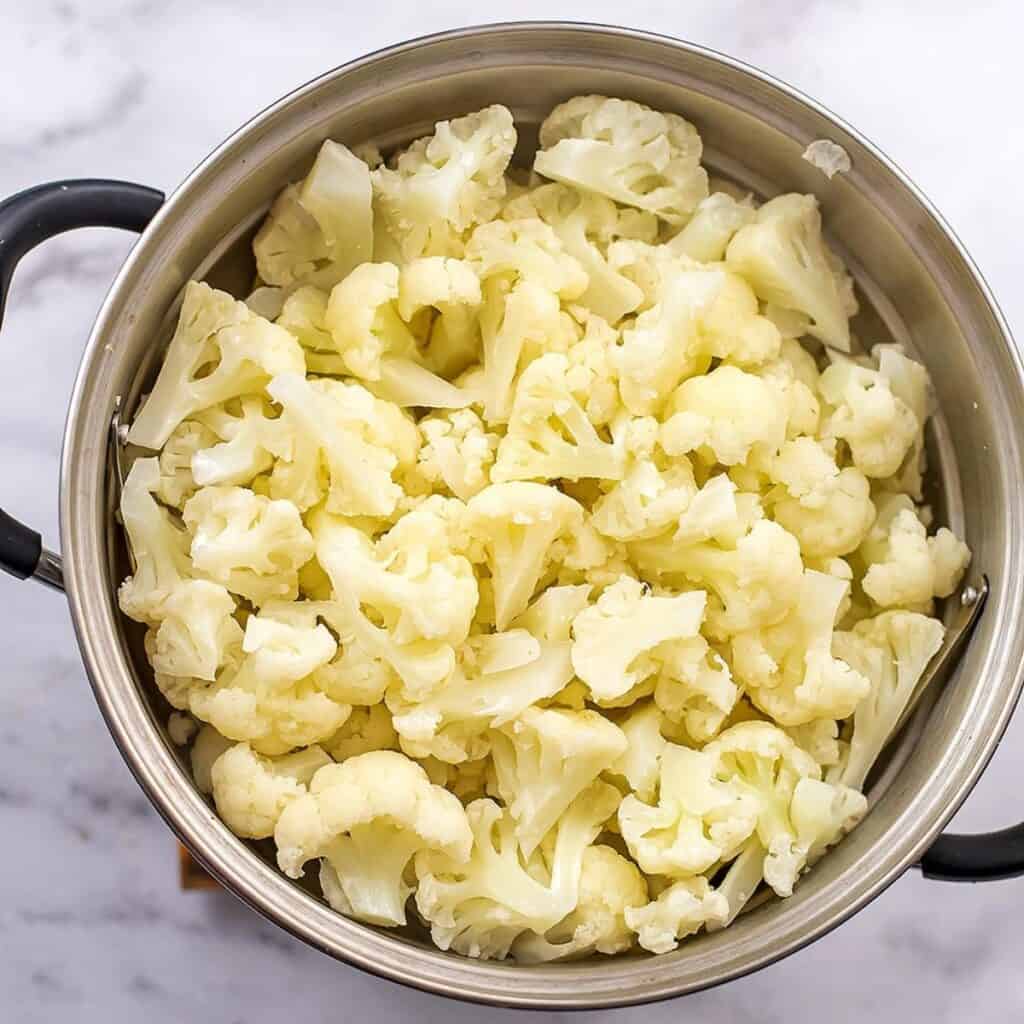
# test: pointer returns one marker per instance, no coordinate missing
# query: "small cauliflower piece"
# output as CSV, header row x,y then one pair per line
x,y
697,822
177,482
549,433
788,669
249,437
616,640
445,183
726,412
892,651
625,151
906,567
206,748
251,791
647,501
366,818
784,258
359,440
683,908
880,428
362,318
695,688
760,761
706,235
366,729
440,301
253,545
480,908
458,451
514,527
289,245
215,330
908,381
820,738
195,628
640,761
608,885
544,759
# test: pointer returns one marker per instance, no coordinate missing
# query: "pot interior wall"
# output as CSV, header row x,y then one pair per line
x,y
912,284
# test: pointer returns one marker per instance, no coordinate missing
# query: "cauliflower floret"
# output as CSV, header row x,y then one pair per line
x,y
251,791
458,451
760,761
250,437
360,440
757,582
195,628
608,885
440,300
367,817
550,616
625,151
549,433
617,640
706,235
828,510
289,245
789,670
784,258
663,344
366,729
215,330
451,723
698,821
683,908
445,183
251,544
177,482
695,688
514,527
544,759
879,427
906,567
892,650
820,738
640,761
206,748
480,908
727,412
908,381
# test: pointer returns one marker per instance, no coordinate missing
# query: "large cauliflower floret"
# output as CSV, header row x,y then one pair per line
x,y
289,245
514,527
905,567
880,428
341,432
269,694
763,763
789,670
255,546
786,261
214,330
625,151
458,451
697,822
367,817
252,791
892,651
680,910
480,908
195,630
440,186
544,759
609,884
617,640
549,433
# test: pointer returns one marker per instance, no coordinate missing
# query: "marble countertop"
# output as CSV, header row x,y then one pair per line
x,y
93,924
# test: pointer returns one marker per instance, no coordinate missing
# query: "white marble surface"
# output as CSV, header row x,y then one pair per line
x,y
93,925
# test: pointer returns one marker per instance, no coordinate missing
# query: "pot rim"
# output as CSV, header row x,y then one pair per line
x,y
620,981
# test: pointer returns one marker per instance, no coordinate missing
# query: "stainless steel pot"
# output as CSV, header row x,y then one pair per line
x,y
919,287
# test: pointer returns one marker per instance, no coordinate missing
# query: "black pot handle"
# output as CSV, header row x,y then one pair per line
x,y
26,219
981,858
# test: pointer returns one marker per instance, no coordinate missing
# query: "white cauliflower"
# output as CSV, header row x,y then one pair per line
x,y
177,481
214,330
366,818
786,261
249,436
206,748
255,546
366,729
544,759
458,451
251,791
616,641
640,762
625,151
683,908
695,688
441,185
905,567
706,235
289,246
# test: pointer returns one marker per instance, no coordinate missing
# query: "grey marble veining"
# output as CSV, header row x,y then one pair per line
x,y
93,926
